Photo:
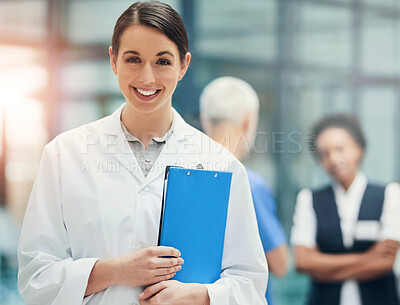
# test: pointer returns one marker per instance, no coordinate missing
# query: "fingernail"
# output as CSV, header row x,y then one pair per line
x,y
142,294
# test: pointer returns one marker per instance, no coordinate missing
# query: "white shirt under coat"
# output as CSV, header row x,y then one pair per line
x,y
91,201
304,229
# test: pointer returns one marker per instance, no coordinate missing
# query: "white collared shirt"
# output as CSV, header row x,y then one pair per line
x,y
304,230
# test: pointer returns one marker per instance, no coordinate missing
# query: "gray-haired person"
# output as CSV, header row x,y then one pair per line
x,y
229,114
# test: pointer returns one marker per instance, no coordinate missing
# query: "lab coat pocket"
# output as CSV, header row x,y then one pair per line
x,y
367,230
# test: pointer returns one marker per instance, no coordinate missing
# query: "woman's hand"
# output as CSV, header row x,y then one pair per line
x,y
386,248
175,293
149,266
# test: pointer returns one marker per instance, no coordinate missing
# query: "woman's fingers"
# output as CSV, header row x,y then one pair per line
x,y
152,290
166,277
166,271
167,251
164,262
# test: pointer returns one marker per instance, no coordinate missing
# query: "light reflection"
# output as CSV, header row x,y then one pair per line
x,y
24,123
21,77
21,81
12,57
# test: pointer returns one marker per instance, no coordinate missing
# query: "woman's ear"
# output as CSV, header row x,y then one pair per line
x,y
113,60
246,124
185,65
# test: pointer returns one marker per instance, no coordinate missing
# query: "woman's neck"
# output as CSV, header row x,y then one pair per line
x,y
231,136
348,182
146,126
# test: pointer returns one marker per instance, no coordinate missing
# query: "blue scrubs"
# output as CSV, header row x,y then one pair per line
x,y
271,231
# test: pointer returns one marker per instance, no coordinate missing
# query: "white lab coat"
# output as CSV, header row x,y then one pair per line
x,y
91,201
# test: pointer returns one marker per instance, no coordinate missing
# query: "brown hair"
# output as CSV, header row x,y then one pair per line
x,y
156,15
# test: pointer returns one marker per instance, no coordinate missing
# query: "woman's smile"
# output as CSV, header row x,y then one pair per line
x,y
146,95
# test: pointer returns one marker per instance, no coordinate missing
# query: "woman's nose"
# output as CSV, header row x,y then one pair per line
x,y
147,75
335,158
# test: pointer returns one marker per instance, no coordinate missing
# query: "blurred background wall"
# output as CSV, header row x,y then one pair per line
x,y
305,58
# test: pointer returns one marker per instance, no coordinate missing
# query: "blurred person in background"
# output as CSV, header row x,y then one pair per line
x,y
346,235
229,114
91,227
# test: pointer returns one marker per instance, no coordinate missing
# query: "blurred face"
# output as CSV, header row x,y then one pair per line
x,y
148,68
339,155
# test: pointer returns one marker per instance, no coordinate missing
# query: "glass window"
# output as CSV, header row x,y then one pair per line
x,y
379,115
94,77
383,3
96,24
246,32
323,35
23,20
380,45
77,113
311,105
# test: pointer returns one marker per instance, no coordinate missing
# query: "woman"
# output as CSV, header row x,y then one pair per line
x,y
90,231
347,234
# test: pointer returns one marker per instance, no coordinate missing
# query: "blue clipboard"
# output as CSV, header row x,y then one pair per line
x,y
193,220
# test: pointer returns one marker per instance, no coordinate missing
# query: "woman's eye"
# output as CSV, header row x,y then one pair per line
x,y
163,62
133,60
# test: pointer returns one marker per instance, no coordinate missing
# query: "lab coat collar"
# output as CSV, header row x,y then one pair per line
x,y
113,124
169,155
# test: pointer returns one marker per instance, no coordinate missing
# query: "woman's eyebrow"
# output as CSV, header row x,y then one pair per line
x,y
132,52
165,52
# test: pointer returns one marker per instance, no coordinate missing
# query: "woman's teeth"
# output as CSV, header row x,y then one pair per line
x,y
146,93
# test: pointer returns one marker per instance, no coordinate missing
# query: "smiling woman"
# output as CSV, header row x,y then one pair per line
x,y
148,67
90,232
149,56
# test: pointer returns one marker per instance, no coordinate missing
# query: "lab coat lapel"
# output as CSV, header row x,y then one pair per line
x,y
117,144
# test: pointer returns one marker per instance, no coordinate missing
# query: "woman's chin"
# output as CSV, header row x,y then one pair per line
x,y
144,107
344,179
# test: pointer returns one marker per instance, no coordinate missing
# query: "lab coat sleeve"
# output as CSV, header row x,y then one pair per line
x,y
47,272
244,268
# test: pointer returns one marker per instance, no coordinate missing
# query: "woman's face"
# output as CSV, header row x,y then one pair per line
x,y
148,68
339,154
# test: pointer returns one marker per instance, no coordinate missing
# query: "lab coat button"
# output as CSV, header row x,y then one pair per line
x,y
145,191
140,245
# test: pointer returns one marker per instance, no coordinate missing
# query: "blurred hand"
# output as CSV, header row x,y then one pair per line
x,y
384,248
149,266
175,293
